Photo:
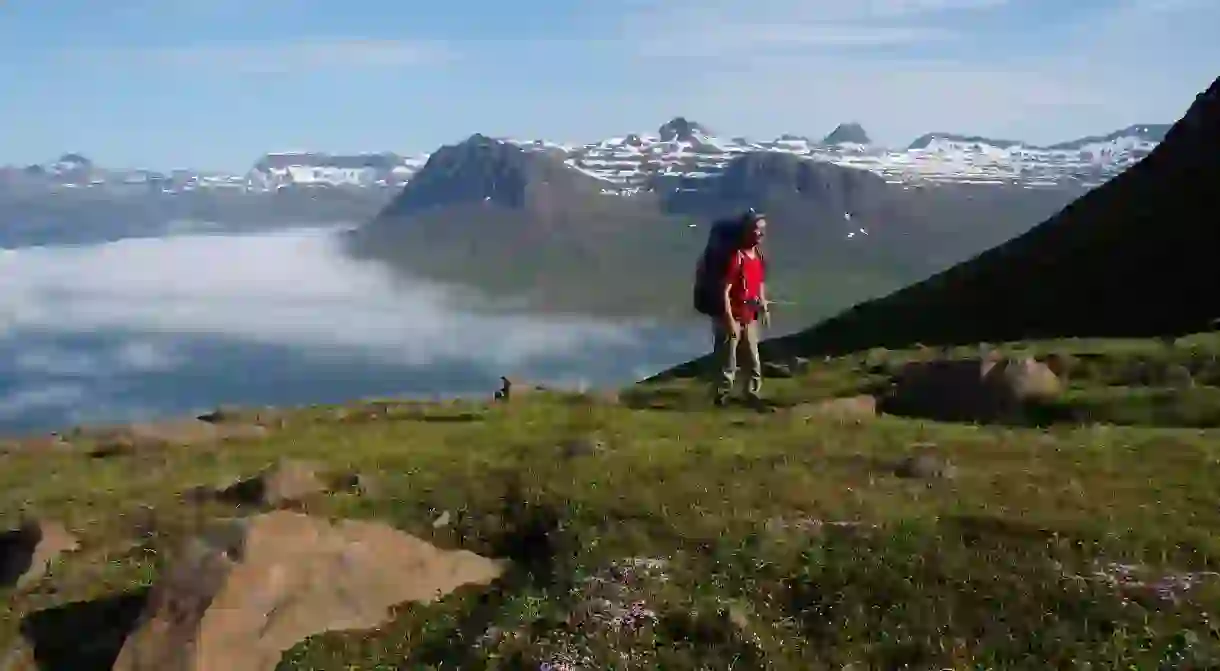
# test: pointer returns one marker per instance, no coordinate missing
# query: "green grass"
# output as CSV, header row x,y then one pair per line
x,y
786,543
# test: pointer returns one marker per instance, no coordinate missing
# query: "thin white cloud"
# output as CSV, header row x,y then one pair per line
x,y
277,57
733,27
734,41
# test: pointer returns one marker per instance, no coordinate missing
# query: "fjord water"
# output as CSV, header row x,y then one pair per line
x,y
116,328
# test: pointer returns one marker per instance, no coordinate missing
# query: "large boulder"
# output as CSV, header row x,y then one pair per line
x,y
972,390
240,595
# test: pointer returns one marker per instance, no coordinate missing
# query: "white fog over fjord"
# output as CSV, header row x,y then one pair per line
x,y
152,326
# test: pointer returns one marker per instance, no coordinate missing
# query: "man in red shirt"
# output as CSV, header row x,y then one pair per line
x,y
736,331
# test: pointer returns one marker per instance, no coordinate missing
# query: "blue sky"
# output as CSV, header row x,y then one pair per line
x,y
215,83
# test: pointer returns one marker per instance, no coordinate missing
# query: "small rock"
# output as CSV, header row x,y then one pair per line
x,y
925,467
739,617
505,390
776,370
287,481
227,414
508,389
27,552
1179,377
361,483
583,446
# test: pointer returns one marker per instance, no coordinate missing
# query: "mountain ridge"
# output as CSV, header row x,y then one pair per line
x,y
679,146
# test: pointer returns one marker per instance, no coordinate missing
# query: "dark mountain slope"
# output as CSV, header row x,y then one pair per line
x,y
487,214
1134,257
481,169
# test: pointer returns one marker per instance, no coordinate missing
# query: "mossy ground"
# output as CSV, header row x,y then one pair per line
x,y
741,540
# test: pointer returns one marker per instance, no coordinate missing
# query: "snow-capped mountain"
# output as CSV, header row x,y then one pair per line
x,y
630,161
679,148
283,169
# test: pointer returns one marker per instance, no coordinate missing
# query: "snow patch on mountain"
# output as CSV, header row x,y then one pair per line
x,y
680,148
684,148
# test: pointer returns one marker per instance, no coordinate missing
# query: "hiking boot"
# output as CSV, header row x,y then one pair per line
x,y
720,400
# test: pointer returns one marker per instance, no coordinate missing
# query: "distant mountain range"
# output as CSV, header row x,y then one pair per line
x,y
679,148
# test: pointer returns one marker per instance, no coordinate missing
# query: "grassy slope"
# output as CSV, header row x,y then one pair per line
x,y
970,573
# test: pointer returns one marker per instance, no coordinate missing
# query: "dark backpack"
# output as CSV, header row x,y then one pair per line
x,y
723,241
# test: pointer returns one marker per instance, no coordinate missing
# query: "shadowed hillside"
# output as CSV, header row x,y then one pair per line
x,y
1134,257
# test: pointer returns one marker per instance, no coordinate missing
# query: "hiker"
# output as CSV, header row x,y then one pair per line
x,y
731,290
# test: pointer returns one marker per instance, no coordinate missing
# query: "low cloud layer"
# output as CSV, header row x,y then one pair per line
x,y
73,319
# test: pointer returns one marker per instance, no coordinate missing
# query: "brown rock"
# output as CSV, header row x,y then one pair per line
x,y
510,389
284,482
26,553
241,595
1024,379
983,389
265,417
582,446
925,466
360,483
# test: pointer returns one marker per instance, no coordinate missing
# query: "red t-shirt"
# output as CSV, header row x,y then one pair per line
x,y
745,278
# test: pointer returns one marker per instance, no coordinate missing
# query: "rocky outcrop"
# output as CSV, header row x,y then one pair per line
x,y
285,483
240,595
681,129
27,552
